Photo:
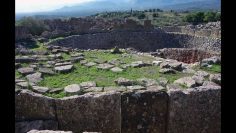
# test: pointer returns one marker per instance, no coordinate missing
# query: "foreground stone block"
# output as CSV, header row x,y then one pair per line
x,y
196,110
32,106
98,112
25,126
48,131
144,112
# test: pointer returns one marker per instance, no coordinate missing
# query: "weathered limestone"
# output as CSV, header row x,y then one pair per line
x,y
35,77
105,66
195,110
146,82
115,88
48,131
88,84
144,111
136,87
25,126
32,106
116,69
26,70
167,71
99,112
24,59
46,71
40,89
64,69
90,64
123,81
216,78
73,89
156,63
188,81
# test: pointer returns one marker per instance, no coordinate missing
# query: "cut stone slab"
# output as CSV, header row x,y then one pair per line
x,y
167,71
88,84
47,71
24,59
73,89
90,112
144,111
116,69
100,61
202,74
35,77
138,64
63,64
115,88
66,68
55,90
125,66
136,87
188,81
156,63
19,80
83,62
94,89
105,66
26,70
76,59
146,82
195,110
90,64
216,78
48,131
123,81
33,66
24,85
114,62
40,89
51,62
28,126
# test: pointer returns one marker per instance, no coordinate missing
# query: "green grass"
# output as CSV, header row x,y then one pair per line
x,y
17,74
58,95
213,69
65,56
40,47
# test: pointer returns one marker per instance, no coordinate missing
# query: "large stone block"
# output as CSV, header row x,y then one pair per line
x,y
25,126
144,112
195,110
32,106
90,112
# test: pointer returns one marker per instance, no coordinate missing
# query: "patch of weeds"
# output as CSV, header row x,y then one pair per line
x,y
213,69
65,56
57,95
17,74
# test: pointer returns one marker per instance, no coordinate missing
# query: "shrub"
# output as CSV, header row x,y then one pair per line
x,y
141,16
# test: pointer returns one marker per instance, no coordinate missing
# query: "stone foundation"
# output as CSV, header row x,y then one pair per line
x,y
191,110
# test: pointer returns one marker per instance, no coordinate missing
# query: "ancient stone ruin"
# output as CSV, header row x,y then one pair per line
x,y
117,77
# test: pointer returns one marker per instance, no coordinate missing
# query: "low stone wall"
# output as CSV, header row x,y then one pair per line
x,y
186,55
142,40
192,110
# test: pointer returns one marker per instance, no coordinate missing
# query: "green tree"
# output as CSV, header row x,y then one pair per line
x,y
35,26
141,16
218,16
155,15
210,17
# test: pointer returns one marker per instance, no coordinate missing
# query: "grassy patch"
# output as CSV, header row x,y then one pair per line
x,y
17,74
40,47
65,56
213,69
58,95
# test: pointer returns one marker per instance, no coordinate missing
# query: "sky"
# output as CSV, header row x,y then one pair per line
x,y
23,6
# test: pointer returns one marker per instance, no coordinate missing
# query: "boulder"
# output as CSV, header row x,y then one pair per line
x,y
90,64
24,59
105,66
202,74
139,64
167,71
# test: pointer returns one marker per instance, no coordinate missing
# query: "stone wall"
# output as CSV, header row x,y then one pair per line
x,y
152,111
186,55
140,40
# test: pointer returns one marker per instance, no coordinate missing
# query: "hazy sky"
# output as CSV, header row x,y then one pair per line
x,y
43,5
